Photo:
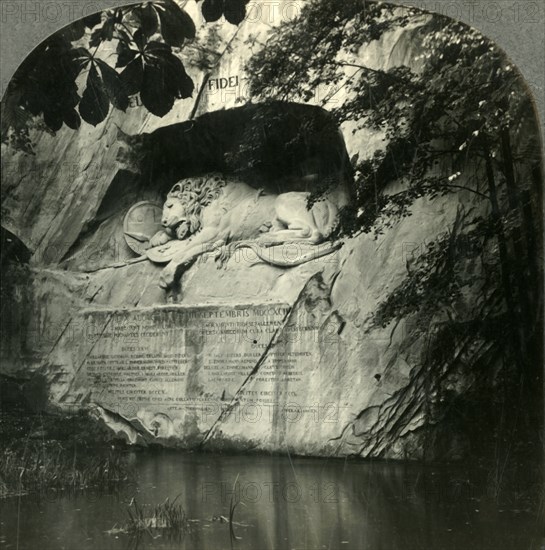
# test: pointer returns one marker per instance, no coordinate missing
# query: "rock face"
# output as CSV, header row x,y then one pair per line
x,y
273,145
253,356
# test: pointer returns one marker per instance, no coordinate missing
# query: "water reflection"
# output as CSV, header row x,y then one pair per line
x,y
298,503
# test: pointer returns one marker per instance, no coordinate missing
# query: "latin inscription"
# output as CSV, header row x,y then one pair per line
x,y
172,359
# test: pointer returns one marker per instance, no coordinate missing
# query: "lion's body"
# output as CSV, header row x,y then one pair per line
x,y
242,212
206,213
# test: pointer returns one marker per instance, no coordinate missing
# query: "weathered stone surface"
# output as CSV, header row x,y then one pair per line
x,y
171,369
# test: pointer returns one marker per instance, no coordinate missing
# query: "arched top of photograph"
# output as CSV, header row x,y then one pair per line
x,y
331,209
375,53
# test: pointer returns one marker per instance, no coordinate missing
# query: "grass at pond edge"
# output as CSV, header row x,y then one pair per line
x,y
42,451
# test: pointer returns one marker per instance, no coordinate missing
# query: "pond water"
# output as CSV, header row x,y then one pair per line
x,y
296,503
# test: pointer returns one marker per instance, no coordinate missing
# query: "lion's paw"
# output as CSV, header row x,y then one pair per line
x,y
222,256
222,253
159,238
166,279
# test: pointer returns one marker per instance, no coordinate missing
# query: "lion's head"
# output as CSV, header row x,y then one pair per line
x,y
182,211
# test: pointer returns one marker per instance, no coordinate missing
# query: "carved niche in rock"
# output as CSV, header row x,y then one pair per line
x,y
216,214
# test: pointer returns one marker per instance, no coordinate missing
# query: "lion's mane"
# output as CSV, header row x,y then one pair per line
x,y
195,194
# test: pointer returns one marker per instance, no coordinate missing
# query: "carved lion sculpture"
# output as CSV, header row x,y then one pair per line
x,y
210,213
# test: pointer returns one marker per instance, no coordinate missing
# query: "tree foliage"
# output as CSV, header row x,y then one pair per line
x,y
67,78
234,11
453,107
456,116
